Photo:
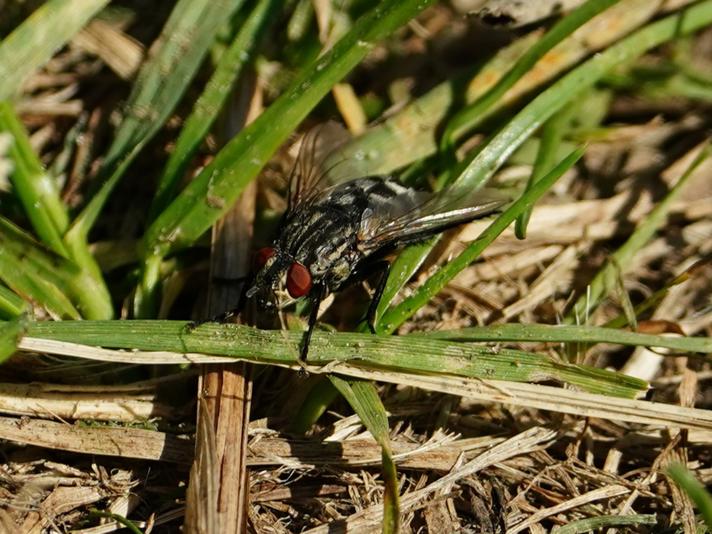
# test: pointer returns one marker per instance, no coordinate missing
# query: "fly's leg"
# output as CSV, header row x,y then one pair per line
x,y
382,267
317,296
225,316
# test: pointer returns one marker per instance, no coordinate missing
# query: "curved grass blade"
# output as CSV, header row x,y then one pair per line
x,y
10,334
410,353
174,59
606,278
468,117
37,191
216,188
593,523
397,315
34,42
211,101
364,399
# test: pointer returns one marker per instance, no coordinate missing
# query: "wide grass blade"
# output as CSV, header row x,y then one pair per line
x,y
544,333
211,101
364,399
393,318
606,279
34,42
217,187
37,190
410,354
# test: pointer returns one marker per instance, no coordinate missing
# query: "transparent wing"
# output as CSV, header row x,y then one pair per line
x,y
309,177
412,216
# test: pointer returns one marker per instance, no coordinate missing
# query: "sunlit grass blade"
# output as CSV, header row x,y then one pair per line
x,y
10,334
471,115
607,277
37,191
364,399
173,60
211,101
214,191
695,490
397,315
410,354
34,42
11,304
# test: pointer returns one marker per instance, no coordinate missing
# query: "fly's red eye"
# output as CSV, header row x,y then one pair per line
x,y
261,257
299,280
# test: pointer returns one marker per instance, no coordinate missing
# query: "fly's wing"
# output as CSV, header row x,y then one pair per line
x,y
412,216
309,178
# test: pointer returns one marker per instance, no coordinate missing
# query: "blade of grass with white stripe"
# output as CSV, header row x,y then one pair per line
x,y
174,59
34,42
606,279
549,102
397,315
364,399
593,523
410,354
37,191
10,334
211,100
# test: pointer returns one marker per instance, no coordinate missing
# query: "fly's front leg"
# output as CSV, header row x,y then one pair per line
x,y
383,268
317,295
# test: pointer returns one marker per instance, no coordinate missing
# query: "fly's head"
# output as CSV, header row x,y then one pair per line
x,y
275,269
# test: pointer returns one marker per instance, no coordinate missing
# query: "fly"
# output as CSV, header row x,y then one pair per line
x,y
332,236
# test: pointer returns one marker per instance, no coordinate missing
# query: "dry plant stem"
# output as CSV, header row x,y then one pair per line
x,y
226,389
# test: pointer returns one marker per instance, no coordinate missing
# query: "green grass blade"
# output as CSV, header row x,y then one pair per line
x,y
545,333
211,101
37,191
174,59
11,304
364,399
214,191
396,316
410,354
34,42
695,490
10,334
606,279
46,278
552,134
468,117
